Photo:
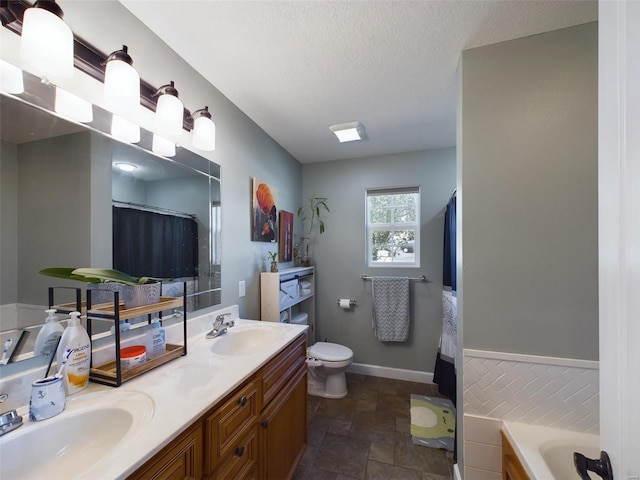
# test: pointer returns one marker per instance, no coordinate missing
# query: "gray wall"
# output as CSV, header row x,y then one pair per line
x,y
8,222
339,254
529,195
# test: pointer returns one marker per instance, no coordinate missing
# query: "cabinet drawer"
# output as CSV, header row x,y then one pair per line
x,y
279,371
228,423
242,460
181,459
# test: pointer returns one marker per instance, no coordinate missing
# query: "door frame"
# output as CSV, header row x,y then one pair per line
x,y
619,233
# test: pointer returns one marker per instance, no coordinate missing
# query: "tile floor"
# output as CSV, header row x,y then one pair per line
x,y
367,435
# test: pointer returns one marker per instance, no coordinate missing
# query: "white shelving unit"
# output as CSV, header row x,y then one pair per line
x,y
286,294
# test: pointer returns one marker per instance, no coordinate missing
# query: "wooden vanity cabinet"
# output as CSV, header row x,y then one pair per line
x,y
257,432
180,460
512,469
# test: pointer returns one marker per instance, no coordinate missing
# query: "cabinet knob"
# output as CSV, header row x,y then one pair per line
x,y
242,401
264,423
239,451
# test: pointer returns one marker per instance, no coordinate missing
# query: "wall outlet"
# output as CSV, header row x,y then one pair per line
x,y
241,288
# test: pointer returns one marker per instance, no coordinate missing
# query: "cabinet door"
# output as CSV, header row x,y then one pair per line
x,y
279,370
242,462
180,460
283,430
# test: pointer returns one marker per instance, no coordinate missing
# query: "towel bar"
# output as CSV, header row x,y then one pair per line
x,y
421,278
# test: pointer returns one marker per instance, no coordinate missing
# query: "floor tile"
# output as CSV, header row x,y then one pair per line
x,y
366,435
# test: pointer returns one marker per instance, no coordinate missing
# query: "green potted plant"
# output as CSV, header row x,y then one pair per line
x,y
136,291
273,256
313,210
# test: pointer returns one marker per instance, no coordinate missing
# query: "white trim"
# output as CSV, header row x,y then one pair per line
x,y
394,373
456,472
518,357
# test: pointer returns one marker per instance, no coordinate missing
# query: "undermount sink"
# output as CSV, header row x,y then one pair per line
x,y
244,341
71,443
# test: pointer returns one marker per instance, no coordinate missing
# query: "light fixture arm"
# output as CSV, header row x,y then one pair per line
x,y
121,55
168,89
203,112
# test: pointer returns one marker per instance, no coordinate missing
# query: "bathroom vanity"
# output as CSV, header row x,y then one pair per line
x,y
234,407
257,431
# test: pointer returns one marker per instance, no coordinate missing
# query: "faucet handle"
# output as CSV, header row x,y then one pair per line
x,y
3,397
220,318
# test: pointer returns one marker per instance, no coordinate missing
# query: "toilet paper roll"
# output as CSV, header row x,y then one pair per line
x,y
345,303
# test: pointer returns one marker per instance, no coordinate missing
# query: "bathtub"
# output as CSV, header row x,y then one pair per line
x,y
547,453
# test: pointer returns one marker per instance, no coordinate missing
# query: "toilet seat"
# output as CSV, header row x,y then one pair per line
x,y
330,352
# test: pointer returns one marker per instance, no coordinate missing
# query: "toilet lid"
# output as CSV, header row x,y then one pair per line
x,y
331,352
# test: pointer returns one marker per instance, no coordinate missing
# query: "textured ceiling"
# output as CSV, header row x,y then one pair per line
x,y
296,67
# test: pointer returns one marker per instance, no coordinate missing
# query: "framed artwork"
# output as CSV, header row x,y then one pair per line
x,y
264,220
285,248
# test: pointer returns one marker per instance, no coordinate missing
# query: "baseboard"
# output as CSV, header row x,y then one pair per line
x,y
388,372
456,472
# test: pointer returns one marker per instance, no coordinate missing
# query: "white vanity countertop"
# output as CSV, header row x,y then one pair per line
x,y
179,392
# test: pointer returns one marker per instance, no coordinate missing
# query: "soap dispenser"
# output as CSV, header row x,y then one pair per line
x,y
76,371
49,335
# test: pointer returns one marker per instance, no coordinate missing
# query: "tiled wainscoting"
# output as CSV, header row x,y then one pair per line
x,y
555,392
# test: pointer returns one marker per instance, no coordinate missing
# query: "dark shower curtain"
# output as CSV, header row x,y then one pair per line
x,y
444,373
153,244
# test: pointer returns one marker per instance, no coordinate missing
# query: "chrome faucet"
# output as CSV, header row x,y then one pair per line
x,y
8,420
220,326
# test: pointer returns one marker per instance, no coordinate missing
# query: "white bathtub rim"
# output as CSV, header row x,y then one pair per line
x,y
529,440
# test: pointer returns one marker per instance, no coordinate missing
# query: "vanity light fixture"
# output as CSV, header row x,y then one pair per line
x,y
169,111
121,83
126,167
10,78
204,130
162,146
348,132
73,107
47,42
124,130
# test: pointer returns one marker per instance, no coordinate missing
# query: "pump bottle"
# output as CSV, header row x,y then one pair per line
x,y
76,371
49,335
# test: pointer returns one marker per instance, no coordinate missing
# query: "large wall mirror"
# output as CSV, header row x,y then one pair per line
x,y
65,201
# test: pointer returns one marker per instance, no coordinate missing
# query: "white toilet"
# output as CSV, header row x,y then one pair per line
x,y
327,363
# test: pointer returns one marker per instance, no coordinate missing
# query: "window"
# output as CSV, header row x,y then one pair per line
x,y
393,227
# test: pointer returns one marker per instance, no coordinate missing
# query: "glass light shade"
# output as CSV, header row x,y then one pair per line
x,y
162,146
73,107
204,134
124,130
47,43
10,78
121,87
169,115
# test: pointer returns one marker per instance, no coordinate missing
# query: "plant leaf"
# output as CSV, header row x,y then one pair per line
x,y
67,274
106,275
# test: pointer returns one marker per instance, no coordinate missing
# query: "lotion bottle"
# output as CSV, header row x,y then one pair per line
x,y
156,339
76,371
49,335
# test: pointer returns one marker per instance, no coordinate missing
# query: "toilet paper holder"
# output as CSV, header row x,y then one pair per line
x,y
352,302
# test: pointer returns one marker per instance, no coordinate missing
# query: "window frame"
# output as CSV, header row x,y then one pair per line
x,y
393,226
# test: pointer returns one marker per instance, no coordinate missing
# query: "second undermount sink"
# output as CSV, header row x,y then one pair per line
x,y
71,443
244,341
